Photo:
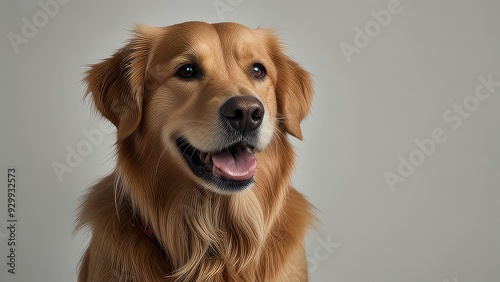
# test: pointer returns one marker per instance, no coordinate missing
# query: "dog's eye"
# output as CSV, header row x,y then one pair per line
x,y
188,71
258,71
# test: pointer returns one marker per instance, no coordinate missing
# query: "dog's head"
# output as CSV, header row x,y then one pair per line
x,y
212,95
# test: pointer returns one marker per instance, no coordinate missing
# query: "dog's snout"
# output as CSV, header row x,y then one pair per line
x,y
244,113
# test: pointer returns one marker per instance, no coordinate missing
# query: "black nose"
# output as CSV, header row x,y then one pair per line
x,y
244,113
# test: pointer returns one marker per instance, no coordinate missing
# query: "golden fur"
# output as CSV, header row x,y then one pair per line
x,y
256,234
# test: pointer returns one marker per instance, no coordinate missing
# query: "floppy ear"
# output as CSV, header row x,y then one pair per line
x,y
117,83
294,89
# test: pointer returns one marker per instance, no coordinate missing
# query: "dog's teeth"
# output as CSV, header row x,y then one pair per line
x,y
208,158
251,150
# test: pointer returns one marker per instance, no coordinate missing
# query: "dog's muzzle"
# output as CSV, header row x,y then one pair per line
x,y
232,167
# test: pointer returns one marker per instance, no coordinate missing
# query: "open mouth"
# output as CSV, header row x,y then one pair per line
x,y
230,169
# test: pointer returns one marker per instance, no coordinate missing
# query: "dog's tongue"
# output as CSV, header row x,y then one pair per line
x,y
236,164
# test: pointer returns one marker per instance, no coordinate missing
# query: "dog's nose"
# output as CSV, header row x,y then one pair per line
x,y
244,113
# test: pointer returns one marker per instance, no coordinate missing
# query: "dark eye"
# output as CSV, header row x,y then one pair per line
x,y
258,71
188,71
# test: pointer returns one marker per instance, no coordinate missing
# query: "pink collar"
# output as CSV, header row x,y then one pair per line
x,y
146,229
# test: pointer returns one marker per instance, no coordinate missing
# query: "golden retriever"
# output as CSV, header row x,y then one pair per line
x,y
202,185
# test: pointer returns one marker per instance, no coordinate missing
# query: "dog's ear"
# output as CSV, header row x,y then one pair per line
x,y
117,83
294,88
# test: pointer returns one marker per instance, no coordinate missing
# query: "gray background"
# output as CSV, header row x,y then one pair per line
x,y
441,224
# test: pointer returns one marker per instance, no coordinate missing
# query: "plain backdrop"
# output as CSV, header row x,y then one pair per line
x,y
401,150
